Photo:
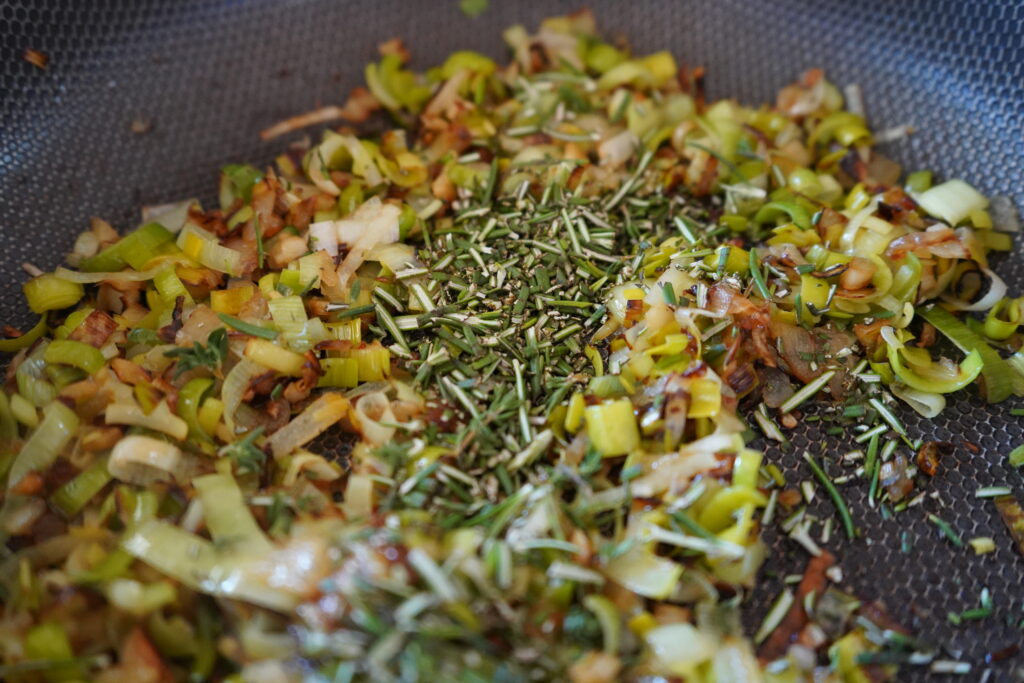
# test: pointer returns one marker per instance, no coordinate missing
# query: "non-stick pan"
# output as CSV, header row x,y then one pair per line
x,y
143,100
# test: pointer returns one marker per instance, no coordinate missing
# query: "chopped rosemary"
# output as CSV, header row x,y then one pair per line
x,y
806,392
833,492
947,530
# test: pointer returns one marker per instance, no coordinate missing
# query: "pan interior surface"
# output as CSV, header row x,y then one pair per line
x,y
143,101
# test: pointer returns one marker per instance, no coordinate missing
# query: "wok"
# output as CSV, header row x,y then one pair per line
x,y
198,79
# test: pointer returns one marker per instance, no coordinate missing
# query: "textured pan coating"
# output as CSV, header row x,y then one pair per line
x,y
205,77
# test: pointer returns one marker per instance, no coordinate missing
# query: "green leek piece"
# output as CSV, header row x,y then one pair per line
x,y
55,431
1003,319
31,379
844,127
190,398
612,427
969,370
606,386
746,469
734,222
172,634
288,313
952,201
719,512
906,279
116,564
134,249
18,343
652,70
772,210
351,198
23,411
406,221
63,375
291,278
396,87
918,181
467,59
170,286
805,181
236,182
191,560
374,362
228,518
204,247
50,293
241,216
206,655
75,494
74,319
645,573
49,641
136,505
608,617
8,424
75,353
602,57
995,241
339,372
997,373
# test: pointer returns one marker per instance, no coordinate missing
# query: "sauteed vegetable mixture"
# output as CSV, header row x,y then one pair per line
x,y
470,400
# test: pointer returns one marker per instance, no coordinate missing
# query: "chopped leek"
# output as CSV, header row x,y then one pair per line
x,y
719,511
772,210
21,410
75,353
1003,319
160,419
31,379
204,248
612,427
997,374
227,517
25,340
202,566
936,382
231,301
170,286
952,201
270,355
374,362
51,293
56,430
142,460
49,642
190,399
236,182
644,573
339,372
134,249
8,425
236,383
73,496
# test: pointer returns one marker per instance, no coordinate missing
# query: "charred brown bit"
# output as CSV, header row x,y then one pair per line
x,y
36,58
814,581
1013,517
